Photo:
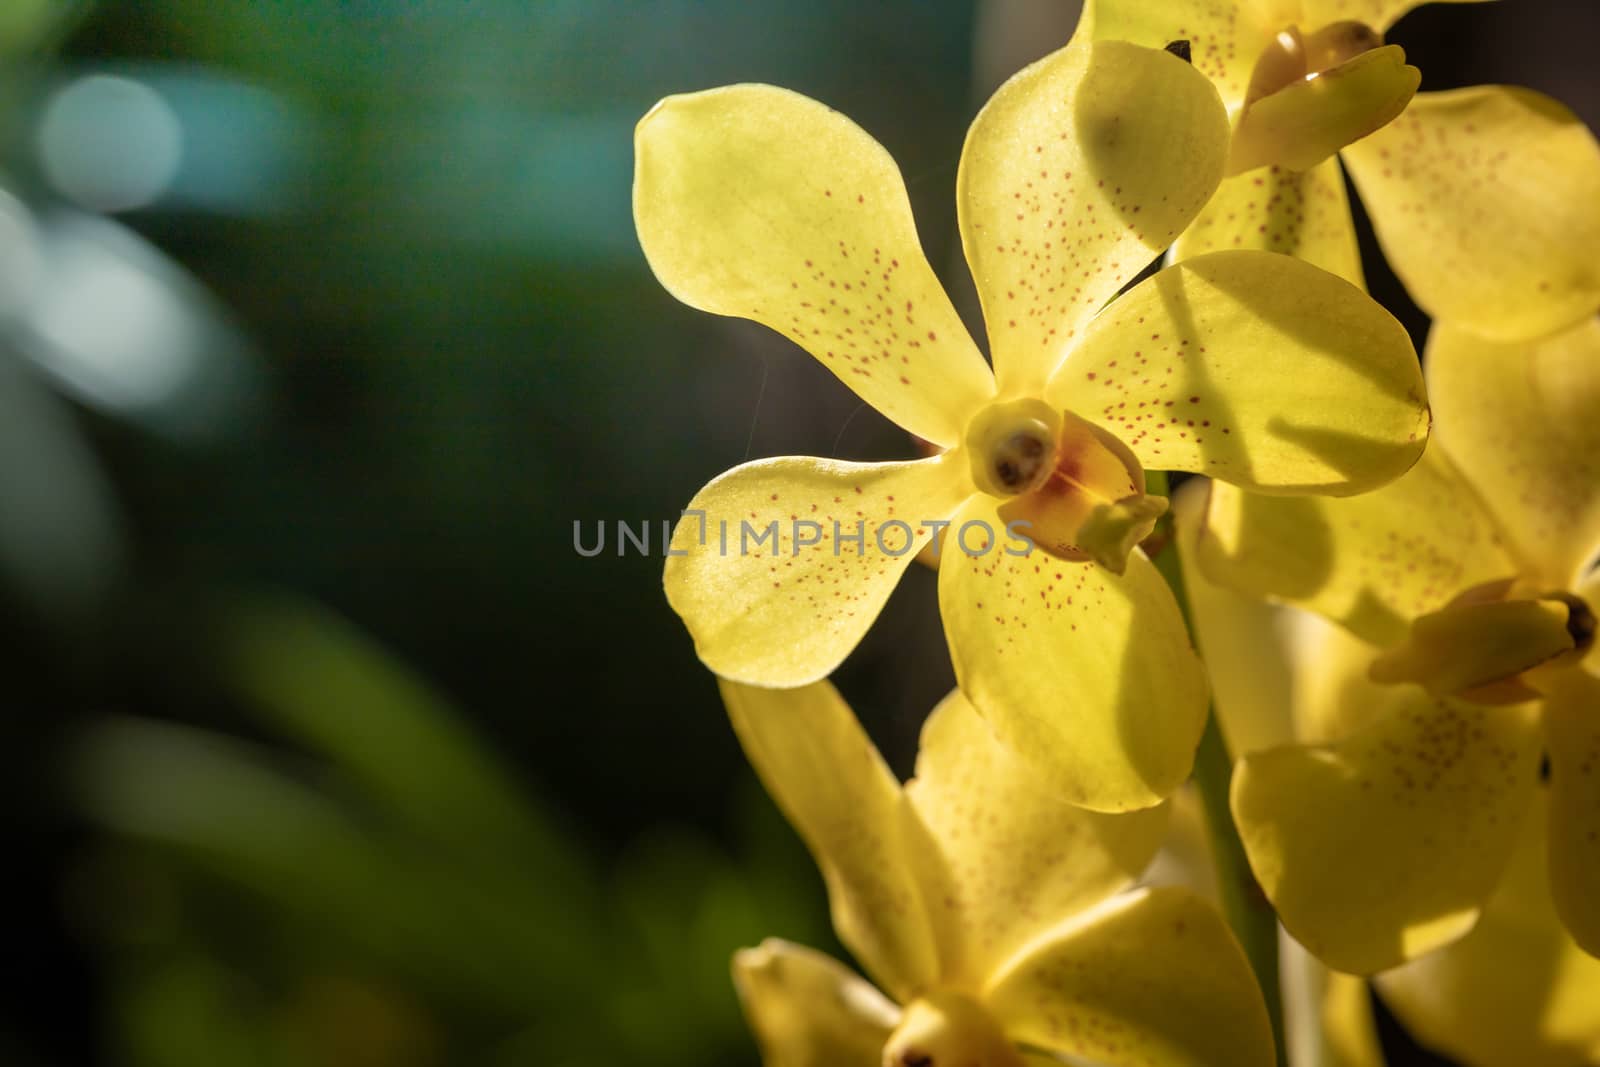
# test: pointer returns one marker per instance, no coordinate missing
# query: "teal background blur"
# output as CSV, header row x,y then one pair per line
x,y
321,323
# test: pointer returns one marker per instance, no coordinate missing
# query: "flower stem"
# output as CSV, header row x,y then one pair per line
x,y
1244,905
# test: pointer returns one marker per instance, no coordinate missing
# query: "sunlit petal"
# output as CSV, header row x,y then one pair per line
x,y
1074,175
1086,674
1371,562
1256,369
1516,992
807,1010
1012,858
1152,976
781,565
1572,731
759,202
1306,122
1304,214
1224,36
1487,204
1520,421
823,771
1384,846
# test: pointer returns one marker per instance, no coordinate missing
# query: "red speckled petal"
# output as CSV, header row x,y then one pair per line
x,y
1385,845
1076,173
1086,674
781,565
1487,204
1257,369
1225,36
758,202
1304,214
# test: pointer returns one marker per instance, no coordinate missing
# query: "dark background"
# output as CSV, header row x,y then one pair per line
x,y
319,744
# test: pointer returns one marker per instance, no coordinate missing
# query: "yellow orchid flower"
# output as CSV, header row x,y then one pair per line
x,y
1514,992
988,911
1486,201
757,202
1467,588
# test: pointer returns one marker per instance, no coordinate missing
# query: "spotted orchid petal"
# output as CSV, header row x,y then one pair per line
x,y
1092,989
1305,214
807,1010
1074,175
1371,563
758,202
1572,732
1487,204
1348,840
1519,419
1516,990
1224,36
1256,369
781,565
1007,856
820,767
1086,674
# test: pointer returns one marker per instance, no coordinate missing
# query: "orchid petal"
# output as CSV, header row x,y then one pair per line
x,y
821,768
1305,214
1224,36
1349,840
1256,369
1011,857
1487,204
1152,976
1074,175
1572,730
808,1010
1086,674
1519,420
781,565
1306,122
759,202
1516,992
1371,563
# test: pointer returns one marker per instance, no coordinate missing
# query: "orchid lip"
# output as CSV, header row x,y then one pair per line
x,y
1491,644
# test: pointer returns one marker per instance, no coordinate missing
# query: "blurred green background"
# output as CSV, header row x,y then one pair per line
x,y
321,323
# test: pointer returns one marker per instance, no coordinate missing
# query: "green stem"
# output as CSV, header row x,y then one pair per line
x,y
1244,905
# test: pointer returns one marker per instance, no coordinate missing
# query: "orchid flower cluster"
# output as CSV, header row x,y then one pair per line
x,y
1387,564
